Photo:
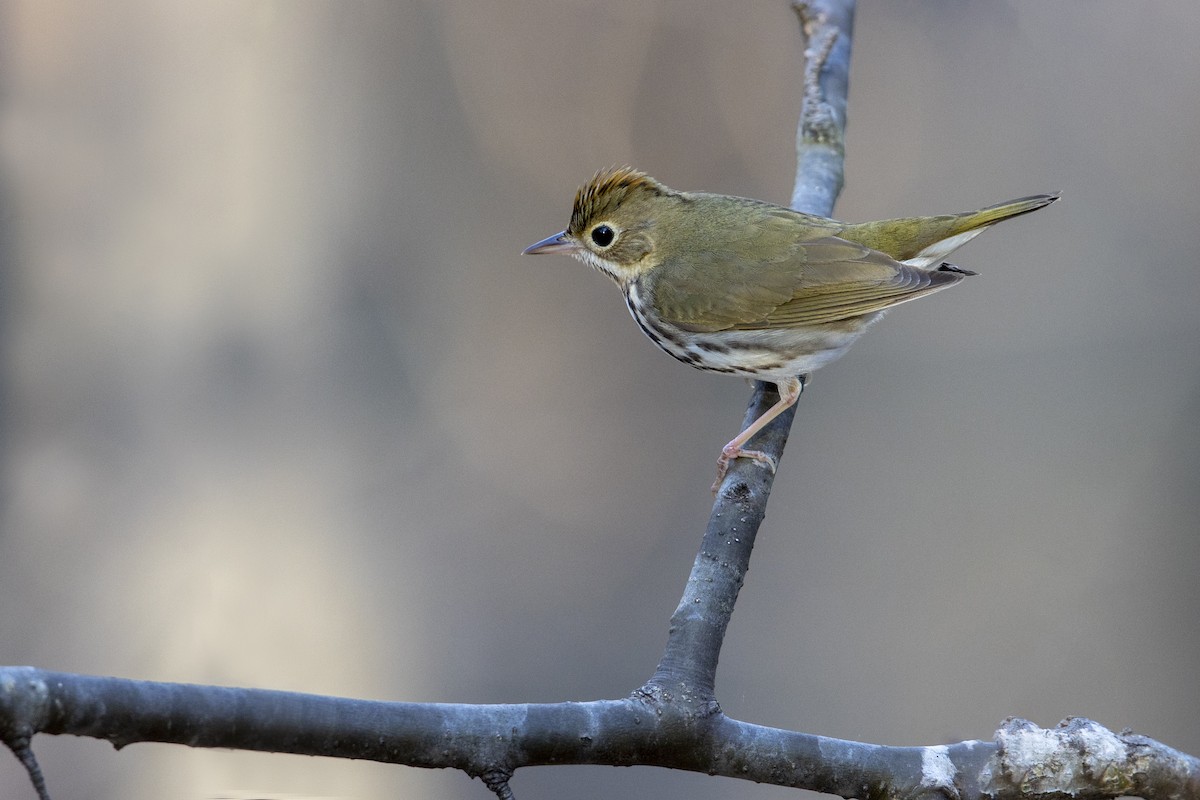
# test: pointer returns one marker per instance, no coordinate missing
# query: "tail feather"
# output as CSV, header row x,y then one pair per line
x,y
923,241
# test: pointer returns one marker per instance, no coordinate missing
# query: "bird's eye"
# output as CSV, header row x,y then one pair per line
x,y
603,235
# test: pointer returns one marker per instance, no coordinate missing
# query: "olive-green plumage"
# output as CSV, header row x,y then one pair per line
x,y
740,286
904,238
713,262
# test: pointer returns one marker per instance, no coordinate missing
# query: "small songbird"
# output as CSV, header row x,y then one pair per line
x,y
745,287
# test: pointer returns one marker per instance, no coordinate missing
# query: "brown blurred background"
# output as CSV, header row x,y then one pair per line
x,y
285,407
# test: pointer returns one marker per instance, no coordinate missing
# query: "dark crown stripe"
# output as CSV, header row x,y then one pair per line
x,y
606,190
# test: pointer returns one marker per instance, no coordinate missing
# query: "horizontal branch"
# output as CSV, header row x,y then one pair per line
x,y
1079,758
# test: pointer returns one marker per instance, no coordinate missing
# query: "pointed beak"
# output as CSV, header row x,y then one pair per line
x,y
558,243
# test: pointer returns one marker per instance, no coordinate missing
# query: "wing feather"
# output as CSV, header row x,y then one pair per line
x,y
741,284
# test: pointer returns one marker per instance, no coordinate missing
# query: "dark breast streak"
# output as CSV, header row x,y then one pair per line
x,y
696,350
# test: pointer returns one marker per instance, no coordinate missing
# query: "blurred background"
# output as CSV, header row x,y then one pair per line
x,y
284,406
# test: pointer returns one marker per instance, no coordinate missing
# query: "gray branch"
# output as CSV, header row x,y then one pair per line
x,y
674,721
1079,758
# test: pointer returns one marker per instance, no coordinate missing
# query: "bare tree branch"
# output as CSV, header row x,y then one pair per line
x,y
1079,758
820,135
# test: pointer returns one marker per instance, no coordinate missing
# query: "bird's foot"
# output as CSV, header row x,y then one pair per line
x,y
729,452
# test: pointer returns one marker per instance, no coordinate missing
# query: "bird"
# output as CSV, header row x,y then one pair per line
x,y
746,287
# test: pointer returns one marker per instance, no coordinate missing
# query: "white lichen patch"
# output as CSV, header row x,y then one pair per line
x,y
937,770
1076,757
1102,754
1034,757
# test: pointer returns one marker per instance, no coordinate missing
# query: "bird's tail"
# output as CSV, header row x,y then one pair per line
x,y
924,241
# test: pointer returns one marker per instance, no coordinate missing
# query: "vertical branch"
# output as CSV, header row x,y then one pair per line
x,y
820,136
687,672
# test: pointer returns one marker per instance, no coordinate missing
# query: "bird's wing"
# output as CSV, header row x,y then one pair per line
x,y
767,280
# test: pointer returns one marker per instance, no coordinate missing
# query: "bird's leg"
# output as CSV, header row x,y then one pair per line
x,y
789,393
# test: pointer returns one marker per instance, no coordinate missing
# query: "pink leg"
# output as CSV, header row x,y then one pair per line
x,y
789,393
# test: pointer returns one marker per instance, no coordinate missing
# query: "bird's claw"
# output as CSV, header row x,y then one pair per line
x,y
728,454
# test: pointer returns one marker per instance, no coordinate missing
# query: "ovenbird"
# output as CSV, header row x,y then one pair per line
x,y
745,287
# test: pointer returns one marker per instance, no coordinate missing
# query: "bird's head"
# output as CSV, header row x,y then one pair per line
x,y
614,223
